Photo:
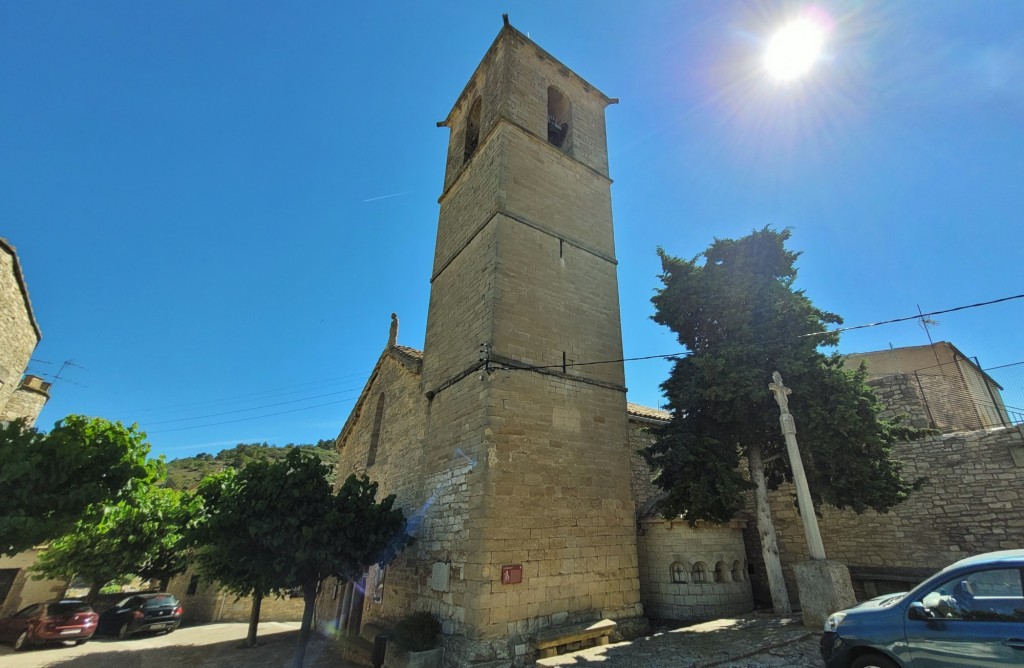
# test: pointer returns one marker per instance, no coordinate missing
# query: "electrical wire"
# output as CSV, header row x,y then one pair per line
x,y
581,364
246,419
255,408
801,336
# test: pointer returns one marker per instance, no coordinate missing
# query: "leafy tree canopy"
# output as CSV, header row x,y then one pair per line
x,y
142,536
276,525
736,310
49,481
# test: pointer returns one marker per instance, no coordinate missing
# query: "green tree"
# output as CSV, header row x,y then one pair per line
x,y
735,309
48,481
142,536
277,525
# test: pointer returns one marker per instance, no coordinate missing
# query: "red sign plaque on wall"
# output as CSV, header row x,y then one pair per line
x,y
511,574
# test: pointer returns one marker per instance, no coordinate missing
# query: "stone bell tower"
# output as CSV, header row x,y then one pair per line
x,y
522,361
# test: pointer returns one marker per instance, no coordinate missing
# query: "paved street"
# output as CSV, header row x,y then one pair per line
x,y
754,641
210,645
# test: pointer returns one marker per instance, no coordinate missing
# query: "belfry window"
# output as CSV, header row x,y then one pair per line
x,y
378,418
559,117
472,130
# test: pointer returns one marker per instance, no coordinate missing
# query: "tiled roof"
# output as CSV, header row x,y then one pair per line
x,y
647,412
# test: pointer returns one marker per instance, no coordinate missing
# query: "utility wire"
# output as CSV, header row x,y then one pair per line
x,y
800,336
254,408
254,417
580,364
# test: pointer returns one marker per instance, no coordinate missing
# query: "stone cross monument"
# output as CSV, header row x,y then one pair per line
x,y
823,586
803,492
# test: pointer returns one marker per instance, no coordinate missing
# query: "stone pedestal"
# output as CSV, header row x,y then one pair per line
x,y
824,587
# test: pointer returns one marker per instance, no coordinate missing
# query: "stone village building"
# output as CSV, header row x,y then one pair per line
x,y
22,397
534,515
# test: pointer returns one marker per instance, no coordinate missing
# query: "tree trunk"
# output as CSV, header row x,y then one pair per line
x,y
94,592
766,531
165,582
254,620
309,591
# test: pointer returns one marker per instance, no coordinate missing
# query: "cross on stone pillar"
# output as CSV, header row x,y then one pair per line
x,y
803,492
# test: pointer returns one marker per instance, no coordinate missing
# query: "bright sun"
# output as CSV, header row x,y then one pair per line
x,y
793,50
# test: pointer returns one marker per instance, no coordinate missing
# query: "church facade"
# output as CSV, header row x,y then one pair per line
x,y
516,457
517,467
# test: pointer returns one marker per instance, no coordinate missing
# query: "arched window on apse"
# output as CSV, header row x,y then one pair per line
x,y
737,571
378,418
721,572
699,573
472,130
678,572
559,117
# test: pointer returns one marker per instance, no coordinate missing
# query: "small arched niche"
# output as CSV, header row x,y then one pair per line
x,y
559,117
699,572
737,571
678,572
472,130
721,572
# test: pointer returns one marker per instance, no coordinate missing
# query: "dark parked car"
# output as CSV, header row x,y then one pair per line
x,y
50,622
968,614
140,613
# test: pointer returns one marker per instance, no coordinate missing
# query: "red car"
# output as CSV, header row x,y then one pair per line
x,y
53,621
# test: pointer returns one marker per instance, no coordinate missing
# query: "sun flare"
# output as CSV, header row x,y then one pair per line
x,y
794,49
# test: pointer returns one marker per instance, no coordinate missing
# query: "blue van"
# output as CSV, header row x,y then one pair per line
x,y
968,614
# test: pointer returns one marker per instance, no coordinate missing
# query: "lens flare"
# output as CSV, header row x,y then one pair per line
x,y
794,49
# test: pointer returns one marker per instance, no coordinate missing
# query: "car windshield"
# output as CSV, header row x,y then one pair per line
x,y
67,608
159,602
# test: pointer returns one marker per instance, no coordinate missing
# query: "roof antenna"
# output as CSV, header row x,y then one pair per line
x,y
504,18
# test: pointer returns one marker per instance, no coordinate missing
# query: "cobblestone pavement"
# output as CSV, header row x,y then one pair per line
x,y
755,641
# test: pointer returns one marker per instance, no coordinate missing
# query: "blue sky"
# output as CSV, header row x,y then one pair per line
x,y
217,205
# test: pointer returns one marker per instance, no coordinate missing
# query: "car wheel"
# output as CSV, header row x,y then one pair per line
x,y
21,643
80,642
123,633
872,661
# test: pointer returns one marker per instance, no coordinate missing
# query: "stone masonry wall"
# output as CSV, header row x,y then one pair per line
x,y
664,543
211,604
719,589
643,485
971,504
27,401
18,337
398,470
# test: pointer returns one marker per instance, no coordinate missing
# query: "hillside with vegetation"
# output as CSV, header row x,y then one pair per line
x,y
185,473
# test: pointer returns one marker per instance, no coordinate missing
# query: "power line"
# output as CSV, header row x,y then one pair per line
x,y
913,317
254,417
254,408
800,336
580,364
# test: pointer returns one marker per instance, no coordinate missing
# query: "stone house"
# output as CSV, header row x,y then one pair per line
x,y
956,394
21,398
